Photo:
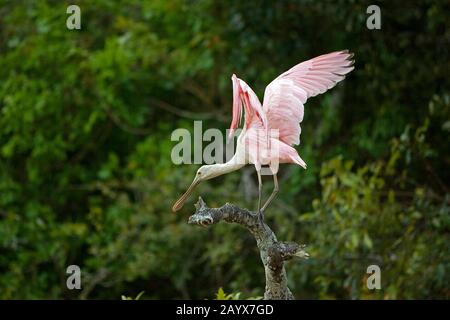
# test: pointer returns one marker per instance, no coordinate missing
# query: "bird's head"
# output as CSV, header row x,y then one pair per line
x,y
205,172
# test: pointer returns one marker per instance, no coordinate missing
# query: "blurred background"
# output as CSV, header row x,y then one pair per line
x,y
86,176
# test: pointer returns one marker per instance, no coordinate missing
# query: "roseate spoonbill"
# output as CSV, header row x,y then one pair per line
x,y
282,111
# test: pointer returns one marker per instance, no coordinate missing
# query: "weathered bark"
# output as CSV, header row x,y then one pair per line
x,y
273,252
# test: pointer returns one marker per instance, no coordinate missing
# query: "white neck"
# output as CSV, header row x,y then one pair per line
x,y
232,165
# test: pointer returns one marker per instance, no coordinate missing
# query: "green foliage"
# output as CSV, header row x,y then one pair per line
x,y
221,295
86,176
130,298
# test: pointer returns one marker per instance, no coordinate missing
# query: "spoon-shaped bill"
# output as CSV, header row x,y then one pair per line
x,y
180,202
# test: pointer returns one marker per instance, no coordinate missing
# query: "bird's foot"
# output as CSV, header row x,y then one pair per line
x,y
261,215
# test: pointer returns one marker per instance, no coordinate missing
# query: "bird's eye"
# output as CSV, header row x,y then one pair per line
x,y
198,173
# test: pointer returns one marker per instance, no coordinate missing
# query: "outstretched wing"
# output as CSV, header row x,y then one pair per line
x,y
243,95
285,96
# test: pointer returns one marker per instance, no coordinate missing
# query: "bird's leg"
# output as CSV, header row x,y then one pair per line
x,y
259,191
274,193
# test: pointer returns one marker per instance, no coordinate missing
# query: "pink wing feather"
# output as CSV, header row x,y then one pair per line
x,y
243,95
285,96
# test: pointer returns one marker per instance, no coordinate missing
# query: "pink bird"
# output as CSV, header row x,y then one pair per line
x,y
271,129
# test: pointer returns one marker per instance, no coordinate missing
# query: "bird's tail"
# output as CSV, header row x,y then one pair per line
x,y
297,160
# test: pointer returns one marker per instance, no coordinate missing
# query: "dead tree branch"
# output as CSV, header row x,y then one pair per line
x,y
273,253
